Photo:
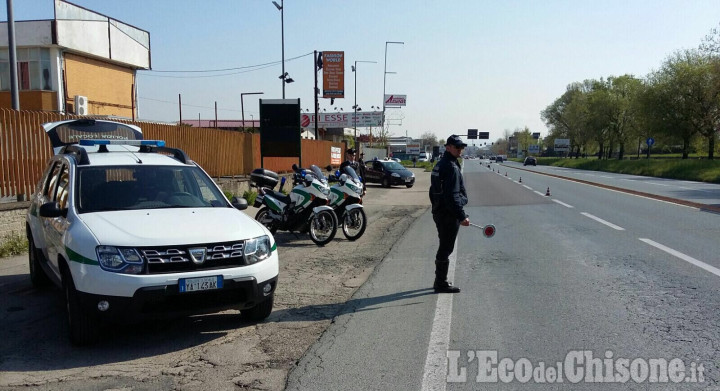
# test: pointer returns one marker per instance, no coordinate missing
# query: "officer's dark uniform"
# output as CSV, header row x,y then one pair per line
x,y
448,197
359,167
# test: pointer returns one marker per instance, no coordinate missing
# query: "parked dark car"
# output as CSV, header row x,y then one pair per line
x,y
530,160
388,173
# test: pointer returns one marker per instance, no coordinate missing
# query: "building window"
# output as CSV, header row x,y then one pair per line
x,y
33,67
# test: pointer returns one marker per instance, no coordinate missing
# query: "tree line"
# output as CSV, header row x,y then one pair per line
x,y
678,104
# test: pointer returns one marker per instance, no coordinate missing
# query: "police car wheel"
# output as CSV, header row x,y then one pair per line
x,y
37,274
260,311
81,327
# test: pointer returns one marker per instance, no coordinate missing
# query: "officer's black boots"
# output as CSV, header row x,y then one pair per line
x,y
441,284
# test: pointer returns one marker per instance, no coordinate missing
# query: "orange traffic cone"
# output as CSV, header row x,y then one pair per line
x,y
547,193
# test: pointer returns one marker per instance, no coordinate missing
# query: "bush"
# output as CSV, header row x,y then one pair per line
x,y
250,196
13,244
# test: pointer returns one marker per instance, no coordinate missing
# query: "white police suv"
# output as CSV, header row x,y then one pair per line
x,y
129,229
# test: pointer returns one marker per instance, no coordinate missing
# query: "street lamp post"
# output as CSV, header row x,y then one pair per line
x,y
242,106
385,72
284,75
355,107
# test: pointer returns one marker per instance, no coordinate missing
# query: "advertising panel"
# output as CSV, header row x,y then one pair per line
x,y
395,100
280,127
533,148
412,149
333,74
335,155
342,120
562,144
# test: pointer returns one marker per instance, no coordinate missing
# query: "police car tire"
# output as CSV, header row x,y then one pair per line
x,y
81,327
260,311
385,182
37,275
408,186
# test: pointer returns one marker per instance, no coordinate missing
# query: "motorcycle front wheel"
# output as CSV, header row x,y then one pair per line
x,y
264,218
323,227
354,223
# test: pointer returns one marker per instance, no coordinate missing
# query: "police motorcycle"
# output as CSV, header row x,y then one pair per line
x,y
305,209
346,201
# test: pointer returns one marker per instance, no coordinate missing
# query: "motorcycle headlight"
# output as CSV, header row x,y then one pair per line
x,y
396,175
119,260
256,249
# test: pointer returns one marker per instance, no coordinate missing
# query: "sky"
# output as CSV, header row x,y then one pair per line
x,y
465,64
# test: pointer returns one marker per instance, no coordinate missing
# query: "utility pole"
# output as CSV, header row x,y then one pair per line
x,y
14,93
385,80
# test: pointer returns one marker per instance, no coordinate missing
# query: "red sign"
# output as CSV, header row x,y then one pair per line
x,y
305,121
333,74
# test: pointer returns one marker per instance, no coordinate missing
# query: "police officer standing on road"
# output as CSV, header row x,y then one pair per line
x,y
448,197
359,167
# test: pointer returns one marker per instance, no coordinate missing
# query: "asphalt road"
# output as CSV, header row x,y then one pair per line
x,y
603,284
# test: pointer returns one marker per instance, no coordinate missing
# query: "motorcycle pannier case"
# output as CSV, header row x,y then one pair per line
x,y
264,178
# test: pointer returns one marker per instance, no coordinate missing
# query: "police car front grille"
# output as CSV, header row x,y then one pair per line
x,y
178,259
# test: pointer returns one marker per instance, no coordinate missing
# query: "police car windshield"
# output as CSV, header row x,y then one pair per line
x,y
103,189
391,165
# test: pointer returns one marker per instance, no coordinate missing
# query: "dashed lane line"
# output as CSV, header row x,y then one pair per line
x,y
682,256
599,220
563,204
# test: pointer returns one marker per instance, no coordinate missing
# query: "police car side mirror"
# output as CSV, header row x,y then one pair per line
x,y
52,210
239,203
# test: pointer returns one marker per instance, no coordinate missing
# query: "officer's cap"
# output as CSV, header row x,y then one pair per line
x,y
456,141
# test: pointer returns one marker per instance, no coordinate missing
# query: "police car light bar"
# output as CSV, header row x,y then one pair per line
x,y
154,143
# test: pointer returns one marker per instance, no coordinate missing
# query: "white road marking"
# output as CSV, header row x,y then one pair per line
x,y
599,220
527,187
682,256
563,204
539,193
435,374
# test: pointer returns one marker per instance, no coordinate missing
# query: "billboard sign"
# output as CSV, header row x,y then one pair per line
x,y
412,149
484,135
342,120
335,155
533,148
333,74
395,100
472,134
562,144
279,127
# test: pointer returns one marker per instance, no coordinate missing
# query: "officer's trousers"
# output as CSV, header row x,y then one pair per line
x,y
447,226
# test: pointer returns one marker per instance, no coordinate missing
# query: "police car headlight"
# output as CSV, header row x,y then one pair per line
x,y
256,249
396,175
119,260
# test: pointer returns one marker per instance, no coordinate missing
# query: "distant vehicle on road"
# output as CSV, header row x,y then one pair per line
x,y
530,160
388,173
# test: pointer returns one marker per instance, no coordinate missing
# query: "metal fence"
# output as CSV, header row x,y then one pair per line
x,y
25,149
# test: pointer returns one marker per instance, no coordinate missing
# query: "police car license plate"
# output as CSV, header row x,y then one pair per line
x,y
200,284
